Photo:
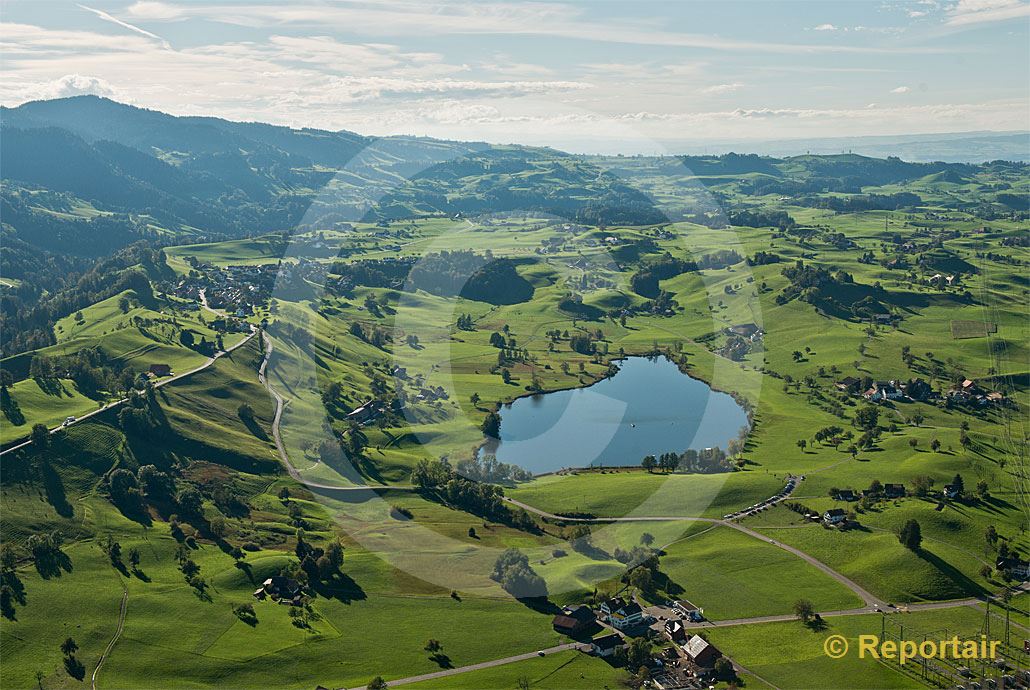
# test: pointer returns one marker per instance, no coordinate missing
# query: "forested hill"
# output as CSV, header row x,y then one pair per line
x,y
86,176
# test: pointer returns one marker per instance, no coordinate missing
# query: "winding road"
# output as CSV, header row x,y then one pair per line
x,y
869,599
117,633
164,382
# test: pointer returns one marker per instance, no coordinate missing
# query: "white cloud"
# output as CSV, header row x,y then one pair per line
x,y
366,88
27,38
409,17
718,89
901,89
159,11
824,27
915,14
63,87
968,12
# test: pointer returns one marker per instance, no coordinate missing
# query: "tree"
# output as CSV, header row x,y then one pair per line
x,y
641,578
638,652
492,424
647,539
134,557
123,304
377,683
958,484
922,484
69,647
724,669
913,442
246,413
911,535
797,355
648,463
982,489
505,375
985,571
991,535
474,399
8,558
935,445
218,527
804,610
190,501
867,417
6,379
802,444
40,436
433,646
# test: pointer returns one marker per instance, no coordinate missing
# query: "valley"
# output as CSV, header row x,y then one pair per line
x,y
268,454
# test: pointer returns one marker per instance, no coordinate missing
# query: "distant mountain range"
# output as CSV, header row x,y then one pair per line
x,y
955,147
85,176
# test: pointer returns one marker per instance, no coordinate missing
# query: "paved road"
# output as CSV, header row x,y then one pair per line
x,y
159,384
867,597
280,403
484,664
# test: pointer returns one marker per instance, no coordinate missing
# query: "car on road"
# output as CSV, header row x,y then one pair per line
x,y
69,420
541,653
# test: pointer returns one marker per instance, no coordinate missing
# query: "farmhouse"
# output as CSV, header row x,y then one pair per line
x,y
700,652
751,331
675,631
607,645
834,516
845,495
573,620
279,588
882,390
365,413
848,384
626,616
158,370
611,605
1014,566
894,490
952,491
918,389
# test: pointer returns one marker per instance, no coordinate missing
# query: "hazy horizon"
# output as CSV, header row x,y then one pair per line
x,y
581,77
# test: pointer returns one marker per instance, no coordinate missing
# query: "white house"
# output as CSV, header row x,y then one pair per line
x,y
834,516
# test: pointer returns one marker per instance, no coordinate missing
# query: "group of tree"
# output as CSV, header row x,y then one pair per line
x,y
318,564
437,479
489,469
517,577
705,461
645,281
131,491
464,273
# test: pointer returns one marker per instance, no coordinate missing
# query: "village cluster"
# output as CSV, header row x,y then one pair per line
x,y
685,660
967,392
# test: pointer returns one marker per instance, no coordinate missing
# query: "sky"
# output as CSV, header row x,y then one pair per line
x,y
602,76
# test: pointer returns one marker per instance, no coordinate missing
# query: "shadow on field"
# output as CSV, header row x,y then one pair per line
x,y
54,488
341,587
952,573
540,605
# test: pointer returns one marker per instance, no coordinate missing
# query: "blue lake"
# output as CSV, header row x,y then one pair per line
x,y
649,407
